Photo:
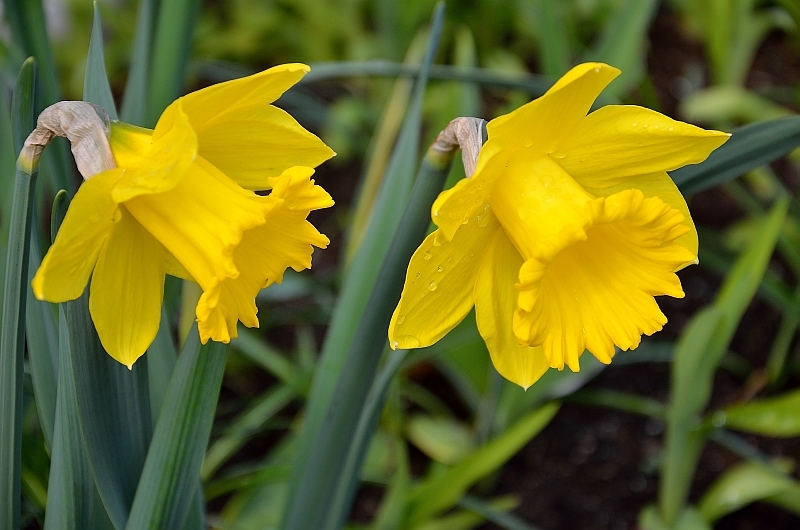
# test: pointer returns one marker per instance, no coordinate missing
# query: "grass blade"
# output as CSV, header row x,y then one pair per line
x,y
697,356
114,411
161,359
95,84
170,478
554,41
445,489
748,148
12,333
172,44
134,103
70,490
360,278
623,45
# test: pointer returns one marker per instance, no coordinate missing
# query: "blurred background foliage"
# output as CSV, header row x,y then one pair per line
x,y
686,432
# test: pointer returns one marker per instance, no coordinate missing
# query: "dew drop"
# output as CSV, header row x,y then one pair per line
x,y
597,70
395,344
449,259
439,268
671,129
645,126
641,144
432,286
417,275
400,320
427,255
634,124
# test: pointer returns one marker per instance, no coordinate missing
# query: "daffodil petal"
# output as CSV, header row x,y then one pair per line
x,y
659,185
201,220
545,122
598,293
66,267
261,89
495,303
279,141
129,144
169,156
127,290
437,293
617,142
469,197
284,240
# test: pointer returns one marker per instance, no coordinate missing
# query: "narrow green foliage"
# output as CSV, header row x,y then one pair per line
x,y
95,85
114,411
134,104
443,490
776,417
501,518
12,332
748,148
554,40
742,485
171,47
161,358
70,492
624,43
359,281
697,356
333,440
170,479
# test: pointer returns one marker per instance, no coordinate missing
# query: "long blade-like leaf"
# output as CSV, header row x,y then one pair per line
x,y
134,104
95,84
173,42
12,332
70,491
361,277
114,411
170,478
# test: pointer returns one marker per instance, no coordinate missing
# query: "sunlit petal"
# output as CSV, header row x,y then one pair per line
x,y
617,142
127,289
495,303
439,284
66,267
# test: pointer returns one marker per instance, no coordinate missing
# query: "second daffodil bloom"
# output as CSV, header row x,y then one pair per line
x,y
181,201
567,231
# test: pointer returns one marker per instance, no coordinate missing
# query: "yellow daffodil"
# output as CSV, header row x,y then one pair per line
x,y
568,229
181,202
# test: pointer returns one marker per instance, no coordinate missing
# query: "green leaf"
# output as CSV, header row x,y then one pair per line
x,y
624,43
554,45
697,356
444,440
28,30
501,518
689,519
748,148
443,490
134,103
740,486
171,474
360,279
777,417
248,423
161,358
171,48
95,84
12,332
70,491
114,411
42,339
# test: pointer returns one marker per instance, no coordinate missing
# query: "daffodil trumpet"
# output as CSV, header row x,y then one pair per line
x,y
567,231
181,199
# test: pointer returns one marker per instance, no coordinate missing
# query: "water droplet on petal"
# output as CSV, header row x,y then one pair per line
x,y
671,129
641,144
394,345
439,268
427,255
417,275
400,320
432,286
645,125
634,124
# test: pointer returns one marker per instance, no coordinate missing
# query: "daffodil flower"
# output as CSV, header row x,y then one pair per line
x,y
181,202
567,231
